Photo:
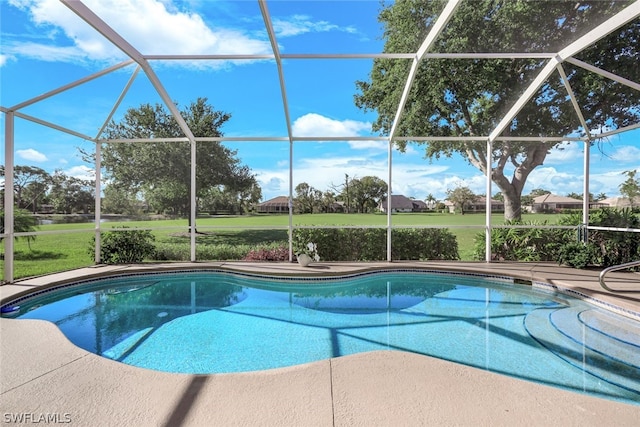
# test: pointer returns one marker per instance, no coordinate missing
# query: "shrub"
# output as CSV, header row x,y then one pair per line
x,y
370,244
603,248
218,252
278,253
23,222
172,252
578,254
423,244
121,246
523,244
221,252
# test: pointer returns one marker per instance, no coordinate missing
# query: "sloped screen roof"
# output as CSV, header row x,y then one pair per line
x,y
356,72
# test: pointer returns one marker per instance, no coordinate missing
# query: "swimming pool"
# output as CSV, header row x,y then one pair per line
x,y
215,321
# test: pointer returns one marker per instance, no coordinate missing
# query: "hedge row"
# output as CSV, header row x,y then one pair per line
x,y
370,244
602,248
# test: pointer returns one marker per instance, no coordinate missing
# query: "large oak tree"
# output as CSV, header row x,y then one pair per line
x,y
161,170
468,97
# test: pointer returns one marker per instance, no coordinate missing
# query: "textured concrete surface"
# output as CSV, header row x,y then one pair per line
x,y
43,377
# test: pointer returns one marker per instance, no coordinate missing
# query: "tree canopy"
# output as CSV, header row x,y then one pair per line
x,y
461,197
306,198
467,97
160,171
367,193
30,183
630,188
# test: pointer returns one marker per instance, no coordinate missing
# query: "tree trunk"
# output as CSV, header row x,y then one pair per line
x,y
512,207
512,190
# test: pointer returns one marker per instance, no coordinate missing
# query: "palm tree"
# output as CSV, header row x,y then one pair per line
x,y
431,201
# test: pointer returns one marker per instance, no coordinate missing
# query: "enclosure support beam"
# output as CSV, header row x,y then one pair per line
x,y
587,146
98,202
118,101
389,193
70,85
487,240
623,17
435,31
437,28
604,73
192,232
8,196
585,197
285,103
574,100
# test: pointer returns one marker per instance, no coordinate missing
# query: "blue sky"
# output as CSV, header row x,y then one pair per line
x,y
44,46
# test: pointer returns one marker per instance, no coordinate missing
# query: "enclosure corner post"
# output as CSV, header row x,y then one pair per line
x,y
585,197
290,202
487,241
8,197
192,214
98,201
389,204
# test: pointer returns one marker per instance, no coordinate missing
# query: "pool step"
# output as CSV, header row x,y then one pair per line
x,y
612,343
609,324
561,333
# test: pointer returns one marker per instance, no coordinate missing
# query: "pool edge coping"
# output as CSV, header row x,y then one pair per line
x,y
528,275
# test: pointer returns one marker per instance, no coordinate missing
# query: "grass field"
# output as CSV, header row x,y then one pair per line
x,y
66,246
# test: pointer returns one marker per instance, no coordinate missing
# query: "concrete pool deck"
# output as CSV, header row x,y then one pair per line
x,y
46,379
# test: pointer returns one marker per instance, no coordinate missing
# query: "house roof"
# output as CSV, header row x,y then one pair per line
x,y
553,198
399,201
619,202
279,201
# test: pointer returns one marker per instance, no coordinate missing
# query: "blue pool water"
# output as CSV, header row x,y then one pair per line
x,y
216,322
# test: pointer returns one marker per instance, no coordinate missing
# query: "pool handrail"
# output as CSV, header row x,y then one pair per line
x,y
604,272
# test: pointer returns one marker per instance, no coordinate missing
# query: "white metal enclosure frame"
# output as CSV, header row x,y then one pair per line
x,y
554,64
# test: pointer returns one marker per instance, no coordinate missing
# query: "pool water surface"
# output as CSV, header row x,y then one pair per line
x,y
219,322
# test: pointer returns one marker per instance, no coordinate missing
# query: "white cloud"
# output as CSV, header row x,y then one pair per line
x,y
551,179
413,176
273,183
81,172
416,177
31,155
313,124
607,182
418,181
146,24
302,24
626,154
45,52
565,152
369,145
4,59
412,149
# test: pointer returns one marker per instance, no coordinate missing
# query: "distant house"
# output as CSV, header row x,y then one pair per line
x,y
399,203
619,202
478,205
336,207
278,204
419,206
554,203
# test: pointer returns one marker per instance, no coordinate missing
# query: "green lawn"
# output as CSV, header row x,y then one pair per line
x,y
70,249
